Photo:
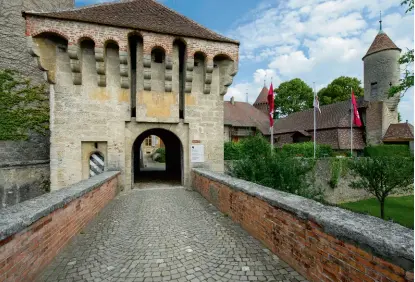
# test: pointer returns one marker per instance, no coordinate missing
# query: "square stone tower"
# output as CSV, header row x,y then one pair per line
x,y
123,71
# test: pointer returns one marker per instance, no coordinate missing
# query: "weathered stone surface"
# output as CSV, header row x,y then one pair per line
x,y
16,218
165,234
385,239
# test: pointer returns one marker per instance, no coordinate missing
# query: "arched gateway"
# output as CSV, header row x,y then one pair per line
x,y
173,170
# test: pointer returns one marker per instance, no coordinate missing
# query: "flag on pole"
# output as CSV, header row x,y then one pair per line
x,y
316,104
271,105
356,116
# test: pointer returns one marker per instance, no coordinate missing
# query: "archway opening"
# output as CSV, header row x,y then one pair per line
x,y
157,156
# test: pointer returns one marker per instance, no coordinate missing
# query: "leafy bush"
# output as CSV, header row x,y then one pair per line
x,y
306,150
254,147
161,158
258,165
382,176
387,151
232,151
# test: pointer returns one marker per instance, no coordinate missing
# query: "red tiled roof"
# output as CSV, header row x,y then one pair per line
x,y
399,132
331,116
381,42
242,114
147,15
262,97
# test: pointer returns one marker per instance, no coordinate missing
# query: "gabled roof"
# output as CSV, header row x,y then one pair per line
x,y
381,42
147,15
399,132
262,97
332,116
241,114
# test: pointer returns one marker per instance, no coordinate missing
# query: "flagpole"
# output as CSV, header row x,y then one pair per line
x,y
272,128
314,109
351,124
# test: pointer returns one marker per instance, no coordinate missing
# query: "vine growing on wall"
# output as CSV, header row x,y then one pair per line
x,y
339,168
24,107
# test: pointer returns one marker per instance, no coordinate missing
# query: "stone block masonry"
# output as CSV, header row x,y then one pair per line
x,y
33,233
320,242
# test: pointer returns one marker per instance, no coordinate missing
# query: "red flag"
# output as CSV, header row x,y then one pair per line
x,y
271,105
356,116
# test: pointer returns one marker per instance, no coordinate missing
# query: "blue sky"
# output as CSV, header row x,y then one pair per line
x,y
315,40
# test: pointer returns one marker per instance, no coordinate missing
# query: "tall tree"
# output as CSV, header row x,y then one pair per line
x,y
340,90
407,60
293,96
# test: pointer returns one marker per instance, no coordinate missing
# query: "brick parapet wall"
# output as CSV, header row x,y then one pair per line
x,y
32,233
74,32
322,243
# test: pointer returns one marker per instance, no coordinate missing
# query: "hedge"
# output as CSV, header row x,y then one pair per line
x,y
387,151
306,150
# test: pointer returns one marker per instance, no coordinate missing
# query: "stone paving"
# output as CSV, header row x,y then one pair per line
x,y
165,234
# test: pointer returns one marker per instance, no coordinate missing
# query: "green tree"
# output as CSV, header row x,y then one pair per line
x,y
407,60
340,90
382,176
293,96
24,108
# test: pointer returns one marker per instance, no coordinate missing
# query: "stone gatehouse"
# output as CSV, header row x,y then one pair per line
x,y
117,76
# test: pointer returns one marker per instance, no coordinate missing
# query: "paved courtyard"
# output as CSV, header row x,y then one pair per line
x,y
165,234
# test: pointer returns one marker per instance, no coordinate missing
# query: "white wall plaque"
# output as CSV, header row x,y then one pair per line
x,y
197,153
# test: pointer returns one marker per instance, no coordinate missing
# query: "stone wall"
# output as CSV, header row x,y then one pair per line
x,y
322,243
14,55
91,95
23,181
33,233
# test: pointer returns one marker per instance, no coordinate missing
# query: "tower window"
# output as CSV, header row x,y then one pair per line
x,y
374,89
158,56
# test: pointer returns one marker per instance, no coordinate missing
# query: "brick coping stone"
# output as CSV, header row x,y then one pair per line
x,y
16,218
385,239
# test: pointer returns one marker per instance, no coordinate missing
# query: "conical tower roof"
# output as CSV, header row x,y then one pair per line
x,y
262,97
382,42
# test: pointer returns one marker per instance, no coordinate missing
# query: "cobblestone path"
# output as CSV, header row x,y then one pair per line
x,y
165,234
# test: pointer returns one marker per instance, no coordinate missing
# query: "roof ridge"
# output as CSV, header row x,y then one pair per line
x,y
183,16
116,2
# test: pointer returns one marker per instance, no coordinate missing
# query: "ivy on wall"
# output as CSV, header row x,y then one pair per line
x,y
24,107
339,168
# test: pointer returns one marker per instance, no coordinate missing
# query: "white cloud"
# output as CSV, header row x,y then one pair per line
x,y
292,64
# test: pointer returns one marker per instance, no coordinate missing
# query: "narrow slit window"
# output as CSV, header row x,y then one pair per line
x,y
374,89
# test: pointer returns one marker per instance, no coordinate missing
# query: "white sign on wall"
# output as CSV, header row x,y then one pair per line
x,y
197,153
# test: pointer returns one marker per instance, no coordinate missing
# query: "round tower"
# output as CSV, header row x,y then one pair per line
x,y
381,70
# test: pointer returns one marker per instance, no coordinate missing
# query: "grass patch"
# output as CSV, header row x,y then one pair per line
x,y
398,209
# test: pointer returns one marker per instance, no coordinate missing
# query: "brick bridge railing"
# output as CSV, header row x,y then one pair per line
x,y
322,243
33,232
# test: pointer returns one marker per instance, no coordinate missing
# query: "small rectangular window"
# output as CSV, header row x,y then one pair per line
x,y
374,89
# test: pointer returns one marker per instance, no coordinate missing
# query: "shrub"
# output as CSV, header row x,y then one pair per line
x,y
306,150
258,165
387,151
232,151
255,147
161,158
339,168
382,176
